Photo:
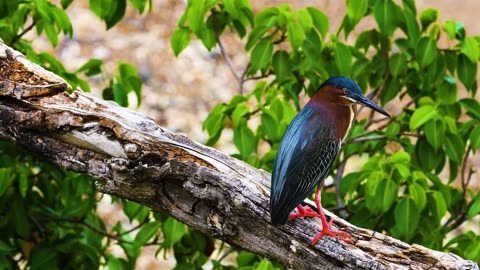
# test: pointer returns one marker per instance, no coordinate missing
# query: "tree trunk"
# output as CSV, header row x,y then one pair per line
x,y
134,158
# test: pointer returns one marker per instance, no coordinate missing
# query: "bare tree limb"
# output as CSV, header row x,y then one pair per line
x,y
134,158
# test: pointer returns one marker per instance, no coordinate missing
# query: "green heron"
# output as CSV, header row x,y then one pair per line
x,y
309,147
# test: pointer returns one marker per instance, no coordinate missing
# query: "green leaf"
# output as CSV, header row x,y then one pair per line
x,y
400,157
271,126
91,67
428,17
470,49
180,40
295,34
265,265
114,263
21,220
195,14
454,148
467,72
472,107
230,7
397,64
392,88
440,205
413,31
62,21
417,193
451,124
245,258
255,35
173,231
422,115
51,33
135,211
367,39
43,257
139,5
131,81
6,179
435,132
387,194
320,20
450,27
305,19
23,184
101,7
147,231
475,138
281,64
385,15
239,113
268,17
372,187
426,51
214,124
356,9
261,55
207,36
116,12
447,91
5,248
475,208
392,130
427,156
244,140
343,59
407,217
7,8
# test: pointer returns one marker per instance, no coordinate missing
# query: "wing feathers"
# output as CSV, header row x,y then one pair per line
x,y
305,155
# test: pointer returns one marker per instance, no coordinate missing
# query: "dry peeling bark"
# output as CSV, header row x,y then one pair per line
x,y
134,158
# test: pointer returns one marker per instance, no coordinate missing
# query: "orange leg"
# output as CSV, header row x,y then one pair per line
x,y
306,211
303,211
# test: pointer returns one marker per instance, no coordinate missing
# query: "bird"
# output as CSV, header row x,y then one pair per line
x,y
308,149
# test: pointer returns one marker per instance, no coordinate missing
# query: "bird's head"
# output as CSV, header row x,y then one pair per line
x,y
346,91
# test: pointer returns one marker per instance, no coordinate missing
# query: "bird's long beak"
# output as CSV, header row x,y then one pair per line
x,y
367,102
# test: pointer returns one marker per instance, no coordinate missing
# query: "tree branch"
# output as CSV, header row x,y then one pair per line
x,y
135,159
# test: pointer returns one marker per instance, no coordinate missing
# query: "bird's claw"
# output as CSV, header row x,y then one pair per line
x,y
326,230
303,211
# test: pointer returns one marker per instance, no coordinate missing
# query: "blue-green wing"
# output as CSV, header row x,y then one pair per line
x,y
303,161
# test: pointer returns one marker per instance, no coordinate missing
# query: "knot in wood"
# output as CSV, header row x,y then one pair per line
x,y
132,150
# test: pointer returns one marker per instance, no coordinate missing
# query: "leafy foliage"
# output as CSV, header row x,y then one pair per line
x,y
416,161
49,216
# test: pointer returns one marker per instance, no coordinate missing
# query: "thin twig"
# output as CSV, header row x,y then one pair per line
x,y
39,226
88,225
226,253
374,121
461,218
244,73
365,139
256,77
465,180
132,229
26,30
227,60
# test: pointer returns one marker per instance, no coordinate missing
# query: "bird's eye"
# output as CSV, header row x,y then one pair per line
x,y
345,91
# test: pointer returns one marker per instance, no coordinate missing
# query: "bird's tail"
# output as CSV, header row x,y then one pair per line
x,y
278,214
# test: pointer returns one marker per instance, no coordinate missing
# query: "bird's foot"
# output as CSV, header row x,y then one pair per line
x,y
327,230
303,211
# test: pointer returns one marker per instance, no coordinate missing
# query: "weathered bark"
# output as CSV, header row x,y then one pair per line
x,y
134,158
